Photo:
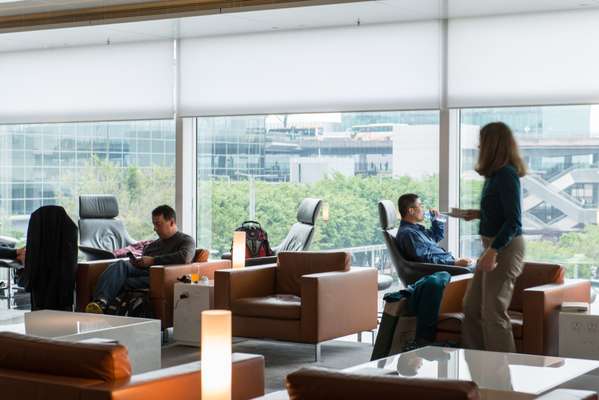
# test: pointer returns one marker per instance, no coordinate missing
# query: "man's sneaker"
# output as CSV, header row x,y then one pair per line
x,y
95,307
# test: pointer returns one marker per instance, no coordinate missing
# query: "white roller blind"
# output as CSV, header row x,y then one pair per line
x,y
531,59
119,81
392,66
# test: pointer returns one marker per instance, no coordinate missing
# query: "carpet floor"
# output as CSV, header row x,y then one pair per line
x,y
281,358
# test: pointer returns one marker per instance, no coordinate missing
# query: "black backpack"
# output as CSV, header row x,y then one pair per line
x,y
131,303
256,240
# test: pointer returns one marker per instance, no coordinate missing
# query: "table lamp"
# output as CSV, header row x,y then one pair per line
x,y
238,253
216,355
325,212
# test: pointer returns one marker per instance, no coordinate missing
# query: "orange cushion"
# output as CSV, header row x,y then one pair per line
x,y
452,322
278,307
105,362
201,255
292,265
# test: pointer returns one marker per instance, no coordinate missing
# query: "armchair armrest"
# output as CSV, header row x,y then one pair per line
x,y
453,295
88,273
234,284
340,303
540,313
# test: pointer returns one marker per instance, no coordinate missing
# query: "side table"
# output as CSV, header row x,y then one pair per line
x,y
579,333
190,299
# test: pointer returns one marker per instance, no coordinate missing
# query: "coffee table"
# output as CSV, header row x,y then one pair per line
x,y
498,375
140,336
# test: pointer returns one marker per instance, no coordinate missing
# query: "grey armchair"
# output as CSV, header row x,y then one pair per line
x,y
299,237
100,232
408,271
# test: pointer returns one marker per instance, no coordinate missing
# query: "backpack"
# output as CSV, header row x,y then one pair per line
x,y
256,240
131,303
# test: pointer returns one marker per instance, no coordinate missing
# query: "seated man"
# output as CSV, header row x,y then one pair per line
x,y
415,242
171,247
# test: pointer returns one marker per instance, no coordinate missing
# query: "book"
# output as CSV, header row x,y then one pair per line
x,y
574,306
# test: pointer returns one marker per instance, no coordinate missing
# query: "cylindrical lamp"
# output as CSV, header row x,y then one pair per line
x,y
216,355
238,252
325,212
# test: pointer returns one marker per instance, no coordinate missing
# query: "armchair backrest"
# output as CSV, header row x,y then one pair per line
x,y
322,384
407,271
535,274
301,233
98,226
291,266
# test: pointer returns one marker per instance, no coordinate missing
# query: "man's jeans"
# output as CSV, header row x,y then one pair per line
x,y
118,276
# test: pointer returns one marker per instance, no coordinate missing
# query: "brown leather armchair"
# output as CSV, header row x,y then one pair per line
x,y
162,281
538,293
46,369
308,297
325,384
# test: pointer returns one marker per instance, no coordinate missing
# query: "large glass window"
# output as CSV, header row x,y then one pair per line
x,y
260,167
560,145
46,164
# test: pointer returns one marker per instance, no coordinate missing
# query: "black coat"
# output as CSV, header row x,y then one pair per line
x,y
51,259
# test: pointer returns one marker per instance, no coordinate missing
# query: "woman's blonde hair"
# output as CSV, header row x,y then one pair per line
x,y
498,148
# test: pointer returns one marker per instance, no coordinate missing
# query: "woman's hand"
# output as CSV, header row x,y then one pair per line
x,y
488,260
469,215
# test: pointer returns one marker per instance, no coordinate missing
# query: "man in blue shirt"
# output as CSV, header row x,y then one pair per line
x,y
415,242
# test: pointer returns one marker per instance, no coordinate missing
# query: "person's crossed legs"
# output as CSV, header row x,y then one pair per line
x,y
117,276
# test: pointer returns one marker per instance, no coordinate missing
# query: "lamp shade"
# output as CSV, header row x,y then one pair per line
x,y
325,212
216,355
238,254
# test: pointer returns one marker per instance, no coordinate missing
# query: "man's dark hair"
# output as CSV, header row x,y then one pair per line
x,y
406,201
167,212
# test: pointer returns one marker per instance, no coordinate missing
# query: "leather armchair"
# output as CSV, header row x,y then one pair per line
x,y
100,232
538,294
308,297
325,384
299,237
408,271
46,369
162,281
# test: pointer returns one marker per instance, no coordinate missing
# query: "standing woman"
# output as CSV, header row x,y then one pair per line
x,y
486,322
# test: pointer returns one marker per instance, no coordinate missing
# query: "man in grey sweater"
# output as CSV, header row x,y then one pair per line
x,y
171,247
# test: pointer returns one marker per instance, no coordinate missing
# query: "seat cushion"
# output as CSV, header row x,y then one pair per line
x,y
291,266
280,306
105,362
452,322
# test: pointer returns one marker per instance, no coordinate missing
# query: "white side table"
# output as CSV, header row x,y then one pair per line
x,y
189,302
579,334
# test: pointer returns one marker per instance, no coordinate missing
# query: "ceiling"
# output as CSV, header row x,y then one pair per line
x,y
347,14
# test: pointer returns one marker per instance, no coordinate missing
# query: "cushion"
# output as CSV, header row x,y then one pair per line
x,y
98,206
535,274
201,255
278,307
452,322
106,362
291,266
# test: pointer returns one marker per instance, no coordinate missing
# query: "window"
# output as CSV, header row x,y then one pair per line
x,y
560,145
260,167
46,164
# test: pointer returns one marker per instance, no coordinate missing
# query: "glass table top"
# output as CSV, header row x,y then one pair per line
x,y
522,373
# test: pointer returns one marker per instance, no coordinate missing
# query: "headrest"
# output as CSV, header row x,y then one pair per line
x,y
387,214
106,362
98,206
308,210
